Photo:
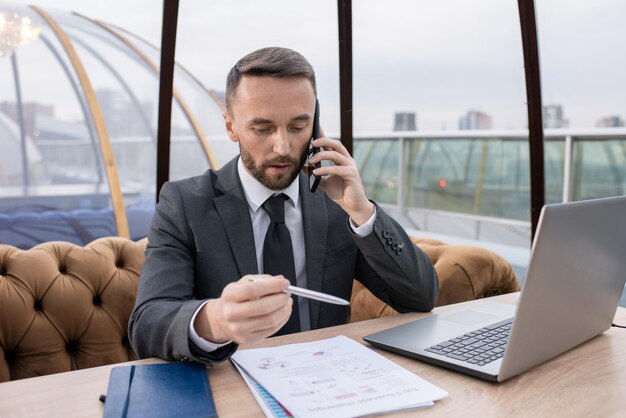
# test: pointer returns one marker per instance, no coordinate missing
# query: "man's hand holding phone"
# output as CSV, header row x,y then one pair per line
x,y
341,180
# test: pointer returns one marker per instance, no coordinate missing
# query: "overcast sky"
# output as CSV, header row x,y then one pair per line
x,y
437,58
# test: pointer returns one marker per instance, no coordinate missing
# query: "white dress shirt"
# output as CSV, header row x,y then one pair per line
x,y
256,194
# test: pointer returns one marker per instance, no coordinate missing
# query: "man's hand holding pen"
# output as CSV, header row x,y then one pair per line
x,y
252,308
247,311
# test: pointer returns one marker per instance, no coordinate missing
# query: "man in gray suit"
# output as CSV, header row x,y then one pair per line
x,y
202,289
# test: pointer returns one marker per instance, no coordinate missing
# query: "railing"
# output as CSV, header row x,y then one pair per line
x,y
475,184
468,184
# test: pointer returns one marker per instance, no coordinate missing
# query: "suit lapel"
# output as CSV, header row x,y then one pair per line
x,y
315,219
232,208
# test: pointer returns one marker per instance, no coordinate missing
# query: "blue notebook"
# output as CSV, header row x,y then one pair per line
x,y
159,390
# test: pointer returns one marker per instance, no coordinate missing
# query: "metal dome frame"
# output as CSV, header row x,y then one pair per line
x,y
94,118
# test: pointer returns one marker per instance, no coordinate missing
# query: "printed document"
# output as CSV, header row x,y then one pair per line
x,y
336,377
270,406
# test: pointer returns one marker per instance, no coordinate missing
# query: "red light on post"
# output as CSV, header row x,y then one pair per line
x,y
443,184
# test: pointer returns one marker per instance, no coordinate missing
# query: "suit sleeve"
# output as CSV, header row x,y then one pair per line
x,y
394,269
165,304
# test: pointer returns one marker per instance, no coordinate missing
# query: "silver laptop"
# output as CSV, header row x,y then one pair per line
x,y
573,285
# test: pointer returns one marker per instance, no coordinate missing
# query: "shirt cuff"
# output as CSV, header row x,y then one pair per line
x,y
366,228
203,344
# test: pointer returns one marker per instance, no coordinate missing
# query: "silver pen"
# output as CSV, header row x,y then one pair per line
x,y
311,294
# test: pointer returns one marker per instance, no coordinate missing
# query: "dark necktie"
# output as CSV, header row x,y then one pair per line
x,y
278,254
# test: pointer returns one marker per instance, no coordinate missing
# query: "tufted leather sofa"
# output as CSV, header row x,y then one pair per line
x,y
64,307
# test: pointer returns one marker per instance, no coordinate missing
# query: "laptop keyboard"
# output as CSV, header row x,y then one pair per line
x,y
478,347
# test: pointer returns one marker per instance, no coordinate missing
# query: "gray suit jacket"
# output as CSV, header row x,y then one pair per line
x,y
201,239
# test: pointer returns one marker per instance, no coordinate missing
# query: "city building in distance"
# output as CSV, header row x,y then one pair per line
x,y
405,121
610,122
553,117
475,120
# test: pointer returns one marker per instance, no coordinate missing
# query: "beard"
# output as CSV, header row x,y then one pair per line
x,y
276,182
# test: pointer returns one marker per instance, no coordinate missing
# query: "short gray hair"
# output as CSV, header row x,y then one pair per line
x,y
275,62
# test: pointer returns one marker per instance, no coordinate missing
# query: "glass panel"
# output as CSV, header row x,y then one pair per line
x,y
433,59
381,183
62,147
206,104
212,38
554,159
187,157
64,194
456,90
599,168
128,100
582,64
582,70
487,177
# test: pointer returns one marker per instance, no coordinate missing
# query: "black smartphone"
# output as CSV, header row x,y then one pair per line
x,y
314,180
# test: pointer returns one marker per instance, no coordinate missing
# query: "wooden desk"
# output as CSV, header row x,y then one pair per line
x,y
589,380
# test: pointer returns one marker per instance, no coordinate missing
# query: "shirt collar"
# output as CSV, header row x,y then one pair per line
x,y
257,194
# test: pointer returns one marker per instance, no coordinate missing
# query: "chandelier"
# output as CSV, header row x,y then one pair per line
x,y
16,30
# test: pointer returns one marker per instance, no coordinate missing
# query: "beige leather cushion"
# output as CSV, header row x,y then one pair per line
x,y
464,272
65,307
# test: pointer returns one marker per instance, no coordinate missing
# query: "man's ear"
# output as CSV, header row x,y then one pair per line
x,y
229,122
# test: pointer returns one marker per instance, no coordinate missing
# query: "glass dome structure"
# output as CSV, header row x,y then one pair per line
x,y
78,122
